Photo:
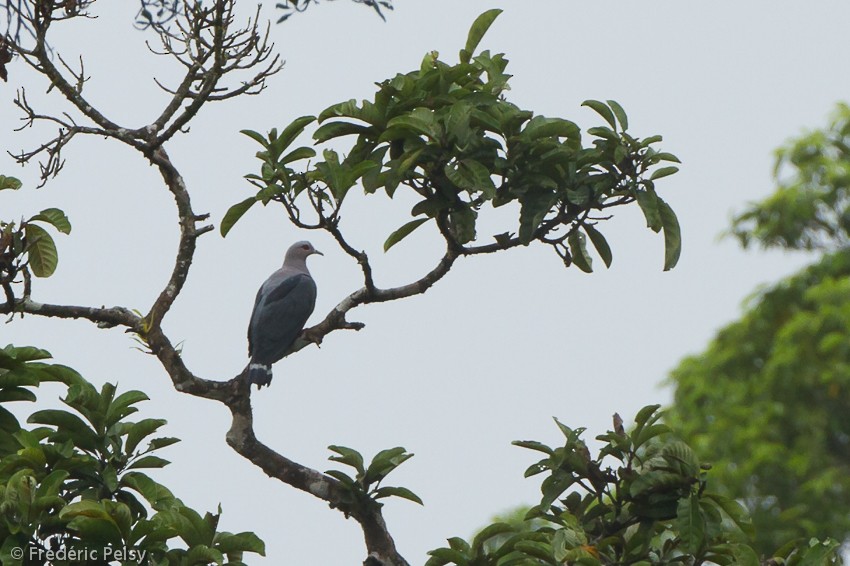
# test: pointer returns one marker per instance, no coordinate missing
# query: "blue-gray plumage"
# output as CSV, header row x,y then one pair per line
x,y
284,303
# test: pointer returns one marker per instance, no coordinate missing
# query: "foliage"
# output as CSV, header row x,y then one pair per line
x,y
75,480
768,403
364,490
447,134
810,210
642,500
768,399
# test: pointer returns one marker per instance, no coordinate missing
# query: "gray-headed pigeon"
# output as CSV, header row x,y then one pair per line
x,y
284,303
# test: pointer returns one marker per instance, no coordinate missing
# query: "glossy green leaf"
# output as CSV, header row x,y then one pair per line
x,y
139,431
348,456
67,424
542,127
122,406
602,109
619,113
663,172
403,232
578,251
599,243
55,218
297,154
691,523
672,235
402,492
9,183
234,213
256,136
479,27
240,542
41,251
288,135
332,130
534,206
649,205
148,462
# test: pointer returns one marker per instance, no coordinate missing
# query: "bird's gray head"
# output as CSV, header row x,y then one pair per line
x,y
298,252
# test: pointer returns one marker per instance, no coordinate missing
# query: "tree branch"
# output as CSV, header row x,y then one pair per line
x,y
210,50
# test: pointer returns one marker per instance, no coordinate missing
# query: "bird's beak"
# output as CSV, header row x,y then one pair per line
x,y
318,252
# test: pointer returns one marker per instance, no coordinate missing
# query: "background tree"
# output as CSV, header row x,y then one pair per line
x,y
767,402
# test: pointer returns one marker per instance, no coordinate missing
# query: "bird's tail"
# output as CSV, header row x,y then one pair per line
x,y
260,374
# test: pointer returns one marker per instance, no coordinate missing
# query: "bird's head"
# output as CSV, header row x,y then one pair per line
x,y
300,251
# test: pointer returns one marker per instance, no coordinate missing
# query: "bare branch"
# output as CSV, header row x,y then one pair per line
x,y
206,43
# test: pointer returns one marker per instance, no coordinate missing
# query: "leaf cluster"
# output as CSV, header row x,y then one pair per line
x,y
364,489
642,500
447,134
27,246
810,209
74,481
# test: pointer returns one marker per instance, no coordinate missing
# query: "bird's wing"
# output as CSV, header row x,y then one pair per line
x,y
280,313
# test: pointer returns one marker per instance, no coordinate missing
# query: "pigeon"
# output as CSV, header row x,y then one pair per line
x,y
284,303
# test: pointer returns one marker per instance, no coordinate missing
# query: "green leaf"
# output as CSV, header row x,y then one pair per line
x,y
648,202
403,232
121,406
256,136
619,113
241,542
819,553
9,183
51,484
663,172
139,431
148,462
203,554
348,456
735,511
385,462
54,217
67,424
288,135
41,251
743,555
155,494
534,206
602,110
578,251
8,394
161,442
672,235
296,154
462,224
333,130
234,213
421,121
534,445
599,243
489,532
542,127
402,492
479,27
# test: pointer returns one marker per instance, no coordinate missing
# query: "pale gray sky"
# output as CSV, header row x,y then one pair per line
x,y
500,346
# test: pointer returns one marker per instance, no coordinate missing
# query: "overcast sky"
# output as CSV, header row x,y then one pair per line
x,y
501,345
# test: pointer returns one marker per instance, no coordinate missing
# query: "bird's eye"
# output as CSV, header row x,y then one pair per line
x,y
305,247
